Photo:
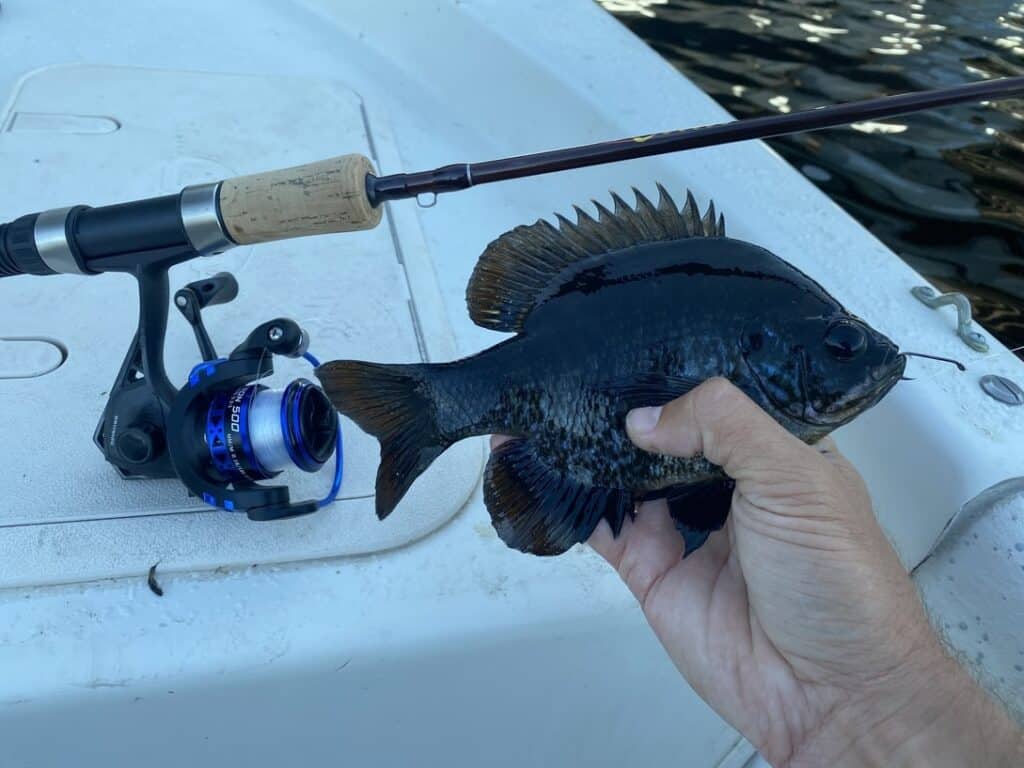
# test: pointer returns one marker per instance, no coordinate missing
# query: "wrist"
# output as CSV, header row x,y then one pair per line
x,y
889,714
930,713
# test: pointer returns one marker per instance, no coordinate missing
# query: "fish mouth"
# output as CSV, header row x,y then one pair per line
x,y
858,400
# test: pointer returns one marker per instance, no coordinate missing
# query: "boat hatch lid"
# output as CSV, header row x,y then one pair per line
x,y
100,135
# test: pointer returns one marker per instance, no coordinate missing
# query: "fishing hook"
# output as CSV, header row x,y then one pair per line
x,y
957,363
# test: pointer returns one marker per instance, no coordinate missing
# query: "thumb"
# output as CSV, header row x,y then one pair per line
x,y
720,422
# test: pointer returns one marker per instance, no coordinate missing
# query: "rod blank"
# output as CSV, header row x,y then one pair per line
x,y
460,176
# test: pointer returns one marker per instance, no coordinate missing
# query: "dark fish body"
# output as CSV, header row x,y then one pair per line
x,y
632,309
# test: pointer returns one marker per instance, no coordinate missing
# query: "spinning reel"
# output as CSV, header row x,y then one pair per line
x,y
223,431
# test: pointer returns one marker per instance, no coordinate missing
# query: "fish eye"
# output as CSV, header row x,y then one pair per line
x,y
845,341
755,341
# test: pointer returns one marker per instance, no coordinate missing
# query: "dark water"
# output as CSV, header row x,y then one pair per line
x,y
945,189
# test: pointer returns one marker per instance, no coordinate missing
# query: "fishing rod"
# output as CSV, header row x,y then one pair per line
x,y
222,431
343,194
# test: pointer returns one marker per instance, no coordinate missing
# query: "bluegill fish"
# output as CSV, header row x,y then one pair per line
x,y
633,308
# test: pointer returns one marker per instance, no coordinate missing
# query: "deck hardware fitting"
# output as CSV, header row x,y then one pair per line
x,y
1002,389
964,328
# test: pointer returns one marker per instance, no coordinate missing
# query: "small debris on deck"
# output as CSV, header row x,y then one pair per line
x,y
154,587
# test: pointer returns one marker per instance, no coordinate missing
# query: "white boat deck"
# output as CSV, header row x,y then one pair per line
x,y
441,646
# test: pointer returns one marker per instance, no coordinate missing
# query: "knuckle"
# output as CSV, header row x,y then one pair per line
x,y
716,394
715,402
497,440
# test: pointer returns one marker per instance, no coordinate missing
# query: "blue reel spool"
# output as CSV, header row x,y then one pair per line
x,y
253,433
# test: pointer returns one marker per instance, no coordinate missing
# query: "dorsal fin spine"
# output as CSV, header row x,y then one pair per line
x,y
595,231
618,235
582,244
628,219
691,215
709,221
648,216
668,213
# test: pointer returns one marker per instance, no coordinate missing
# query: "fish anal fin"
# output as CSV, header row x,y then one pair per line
x,y
537,509
529,264
699,510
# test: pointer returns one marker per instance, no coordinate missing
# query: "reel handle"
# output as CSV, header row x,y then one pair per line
x,y
219,289
196,296
314,199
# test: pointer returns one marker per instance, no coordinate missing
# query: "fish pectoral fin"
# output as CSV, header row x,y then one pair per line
x,y
537,509
529,264
699,510
649,389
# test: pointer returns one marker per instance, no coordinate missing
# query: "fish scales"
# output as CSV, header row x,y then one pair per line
x,y
632,308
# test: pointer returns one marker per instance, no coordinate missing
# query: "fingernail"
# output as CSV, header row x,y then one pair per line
x,y
641,421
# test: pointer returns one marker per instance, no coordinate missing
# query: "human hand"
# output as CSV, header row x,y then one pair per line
x,y
797,623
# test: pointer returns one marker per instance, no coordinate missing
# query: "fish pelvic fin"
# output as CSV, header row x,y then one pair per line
x,y
539,510
525,265
699,510
394,404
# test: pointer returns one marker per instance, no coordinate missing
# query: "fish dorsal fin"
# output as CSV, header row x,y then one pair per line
x,y
530,262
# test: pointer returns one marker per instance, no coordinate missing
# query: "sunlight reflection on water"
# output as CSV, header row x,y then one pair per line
x,y
945,189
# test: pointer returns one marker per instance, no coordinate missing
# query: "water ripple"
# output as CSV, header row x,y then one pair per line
x,y
945,189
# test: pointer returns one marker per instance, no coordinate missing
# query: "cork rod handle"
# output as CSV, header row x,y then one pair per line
x,y
314,199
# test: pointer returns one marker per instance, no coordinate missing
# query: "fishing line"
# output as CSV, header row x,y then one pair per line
x,y
338,450
942,372
995,355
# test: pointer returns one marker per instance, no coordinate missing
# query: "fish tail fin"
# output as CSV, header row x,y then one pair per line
x,y
394,404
